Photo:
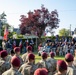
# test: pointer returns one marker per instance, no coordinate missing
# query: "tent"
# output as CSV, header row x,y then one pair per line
x,y
31,36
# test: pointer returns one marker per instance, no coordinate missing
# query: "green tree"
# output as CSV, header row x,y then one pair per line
x,y
64,32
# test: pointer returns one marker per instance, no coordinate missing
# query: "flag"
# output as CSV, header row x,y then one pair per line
x,y
6,34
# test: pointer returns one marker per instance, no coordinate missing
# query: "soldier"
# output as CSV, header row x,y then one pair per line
x,y
52,61
28,68
71,70
10,56
45,64
15,64
41,71
4,65
61,68
24,56
74,62
17,53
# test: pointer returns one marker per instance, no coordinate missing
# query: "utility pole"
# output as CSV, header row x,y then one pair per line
x,y
70,29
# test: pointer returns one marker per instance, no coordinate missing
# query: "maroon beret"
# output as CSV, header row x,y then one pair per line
x,y
62,64
69,57
15,61
41,71
17,49
52,54
29,48
31,56
44,55
3,53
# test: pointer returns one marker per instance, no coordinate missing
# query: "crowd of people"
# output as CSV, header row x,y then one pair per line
x,y
12,62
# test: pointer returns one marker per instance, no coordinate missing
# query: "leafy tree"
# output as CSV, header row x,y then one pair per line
x,y
37,20
64,32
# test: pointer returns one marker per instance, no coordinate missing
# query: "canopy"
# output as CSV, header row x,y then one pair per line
x,y
30,36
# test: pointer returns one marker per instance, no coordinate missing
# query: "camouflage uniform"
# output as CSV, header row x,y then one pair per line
x,y
4,66
24,57
28,69
8,58
53,64
12,71
47,65
60,74
21,61
71,70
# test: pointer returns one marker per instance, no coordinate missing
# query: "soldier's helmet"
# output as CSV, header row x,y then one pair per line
x,y
15,61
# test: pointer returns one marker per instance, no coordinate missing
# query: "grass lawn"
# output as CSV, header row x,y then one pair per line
x,y
38,58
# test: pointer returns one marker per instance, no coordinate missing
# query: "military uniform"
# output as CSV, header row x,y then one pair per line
x,y
21,61
74,62
12,71
47,65
4,66
24,57
71,70
60,74
53,64
28,69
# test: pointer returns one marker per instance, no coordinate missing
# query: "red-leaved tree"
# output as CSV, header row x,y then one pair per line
x,y
37,20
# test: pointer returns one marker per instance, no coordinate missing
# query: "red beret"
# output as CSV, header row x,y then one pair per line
x,y
44,55
29,48
31,56
41,71
69,57
62,64
52,54
17,49
3,53
15,61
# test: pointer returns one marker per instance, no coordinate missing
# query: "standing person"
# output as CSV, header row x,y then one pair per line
x,y
71,70
17,53
32,44
14,43
44,63
20,45
24,46
53,62
4,65
24,56
28,68
41,71
10,56
8,46
15,62
61,68
3,45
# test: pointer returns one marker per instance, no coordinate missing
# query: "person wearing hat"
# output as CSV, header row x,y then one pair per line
x,y
24,56
15,64
69,61
43,63
4,65
10,56
41,71
52,61
28,68
61,68
17,53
